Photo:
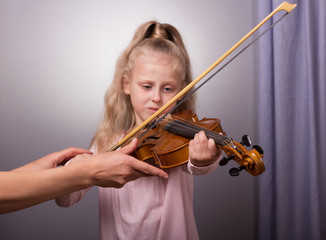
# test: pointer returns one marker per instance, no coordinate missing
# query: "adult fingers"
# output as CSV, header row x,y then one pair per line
x,y
65,155
147,169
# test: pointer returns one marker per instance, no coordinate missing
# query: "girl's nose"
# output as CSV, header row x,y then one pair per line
x,y
156,96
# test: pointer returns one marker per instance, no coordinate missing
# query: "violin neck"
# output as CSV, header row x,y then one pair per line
x,y
188,130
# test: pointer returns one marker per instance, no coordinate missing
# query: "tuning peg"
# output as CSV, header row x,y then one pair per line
x,y
236,171
259,149
246,141
225,160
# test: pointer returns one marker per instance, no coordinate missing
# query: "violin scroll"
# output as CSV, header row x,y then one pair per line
x,y
250,160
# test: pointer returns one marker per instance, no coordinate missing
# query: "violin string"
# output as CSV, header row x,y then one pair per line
x,y
221,139
189,94
189,126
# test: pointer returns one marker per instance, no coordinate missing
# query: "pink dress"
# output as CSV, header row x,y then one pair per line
x,y
149,207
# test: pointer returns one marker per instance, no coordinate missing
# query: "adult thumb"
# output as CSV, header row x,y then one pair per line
x,y
131,147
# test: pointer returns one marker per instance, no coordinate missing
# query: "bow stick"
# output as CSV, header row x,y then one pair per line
x,y
285,6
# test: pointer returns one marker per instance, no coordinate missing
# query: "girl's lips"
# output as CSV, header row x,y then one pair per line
x,y
153,109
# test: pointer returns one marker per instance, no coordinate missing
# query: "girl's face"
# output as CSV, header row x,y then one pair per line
x,y
153,81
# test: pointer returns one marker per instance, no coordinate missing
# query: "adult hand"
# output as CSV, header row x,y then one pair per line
x,y
52,160
115,169
203,151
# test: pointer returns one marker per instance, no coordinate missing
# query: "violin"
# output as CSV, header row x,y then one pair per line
x,y
166,143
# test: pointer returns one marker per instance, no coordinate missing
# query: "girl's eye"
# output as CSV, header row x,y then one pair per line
x,y
168,89
146,87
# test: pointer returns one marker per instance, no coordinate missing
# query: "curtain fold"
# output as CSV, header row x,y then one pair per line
x,y
292,119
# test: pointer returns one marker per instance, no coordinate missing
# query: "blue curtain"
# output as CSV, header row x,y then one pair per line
x,y
292,123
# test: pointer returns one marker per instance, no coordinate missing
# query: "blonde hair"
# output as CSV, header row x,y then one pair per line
x,y
119,114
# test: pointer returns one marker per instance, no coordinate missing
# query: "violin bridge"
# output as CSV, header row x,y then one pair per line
x,y
168,117
158,122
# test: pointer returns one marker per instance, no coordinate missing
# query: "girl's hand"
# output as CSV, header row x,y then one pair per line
x,y
203,151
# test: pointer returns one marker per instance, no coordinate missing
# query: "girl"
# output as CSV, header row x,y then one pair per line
x,y
152,70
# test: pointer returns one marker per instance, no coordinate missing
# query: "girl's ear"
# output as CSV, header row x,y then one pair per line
x,y
126,84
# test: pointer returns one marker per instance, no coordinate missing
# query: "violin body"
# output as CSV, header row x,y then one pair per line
x,y
167,144
166,149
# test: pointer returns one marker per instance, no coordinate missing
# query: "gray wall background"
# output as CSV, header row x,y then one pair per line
x,y
57,59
